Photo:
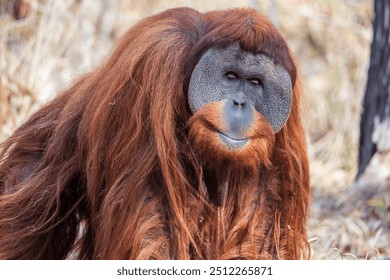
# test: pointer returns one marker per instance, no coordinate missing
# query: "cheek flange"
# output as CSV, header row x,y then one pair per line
x,y
275,104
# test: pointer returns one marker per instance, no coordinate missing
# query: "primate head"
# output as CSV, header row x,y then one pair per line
x,y
239,100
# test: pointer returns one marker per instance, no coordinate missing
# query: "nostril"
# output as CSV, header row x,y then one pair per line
x,y
239,104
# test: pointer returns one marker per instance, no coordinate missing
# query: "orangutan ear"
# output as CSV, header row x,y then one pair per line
x,y
254,79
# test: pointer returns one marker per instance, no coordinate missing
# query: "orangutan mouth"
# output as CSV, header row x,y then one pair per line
x,y
234,143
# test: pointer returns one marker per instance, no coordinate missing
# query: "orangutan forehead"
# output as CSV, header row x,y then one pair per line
x,y
233,56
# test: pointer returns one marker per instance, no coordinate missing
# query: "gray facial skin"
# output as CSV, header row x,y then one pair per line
x,y
244,80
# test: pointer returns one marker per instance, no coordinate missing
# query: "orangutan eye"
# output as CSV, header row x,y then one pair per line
x,y
255,82
231,75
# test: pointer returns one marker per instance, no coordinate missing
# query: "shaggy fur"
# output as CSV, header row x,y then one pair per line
x,y
116,167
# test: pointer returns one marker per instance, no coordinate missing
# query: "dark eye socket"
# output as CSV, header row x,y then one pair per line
x,y
255,82
231,75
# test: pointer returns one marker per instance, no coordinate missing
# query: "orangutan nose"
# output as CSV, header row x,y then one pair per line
x,y
238,116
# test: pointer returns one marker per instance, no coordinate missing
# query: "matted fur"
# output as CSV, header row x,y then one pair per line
x,y
112,157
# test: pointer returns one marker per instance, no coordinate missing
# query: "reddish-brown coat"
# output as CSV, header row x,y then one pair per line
x,y
114,156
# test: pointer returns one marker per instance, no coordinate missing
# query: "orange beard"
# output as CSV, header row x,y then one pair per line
x,y
222,163
204,131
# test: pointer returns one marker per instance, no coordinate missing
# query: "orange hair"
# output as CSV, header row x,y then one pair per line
x,y
108,169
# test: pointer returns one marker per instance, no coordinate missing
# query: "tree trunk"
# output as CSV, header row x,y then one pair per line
x,y
375,120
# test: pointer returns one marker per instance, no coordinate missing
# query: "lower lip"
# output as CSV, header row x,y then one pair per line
x,y
232,143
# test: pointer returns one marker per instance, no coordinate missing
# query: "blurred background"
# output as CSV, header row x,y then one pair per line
x,y
46,44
